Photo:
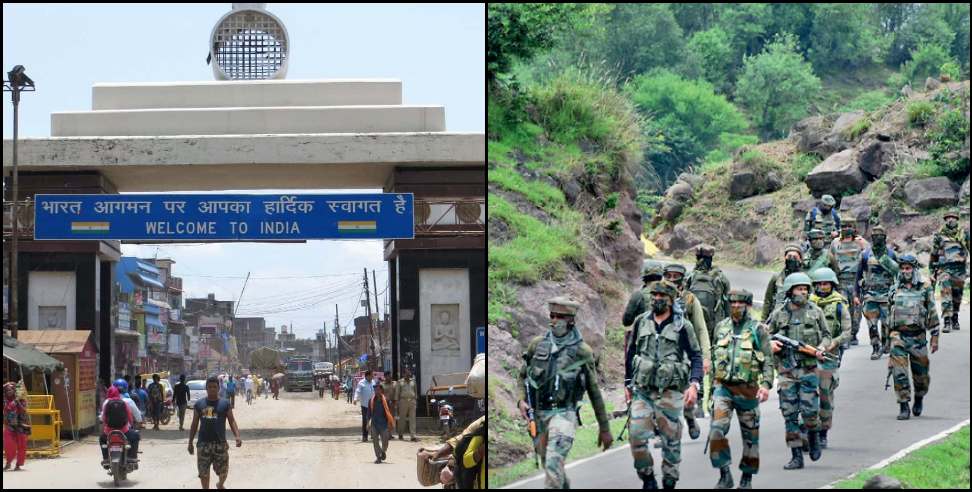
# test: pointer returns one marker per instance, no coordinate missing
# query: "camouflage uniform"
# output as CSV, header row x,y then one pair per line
x,y
651,270
659,369
797,381
879,271
827,221
837,314
815,258
711,287
741,363
950,251
775,295
848,253
555,393
912,313
688,305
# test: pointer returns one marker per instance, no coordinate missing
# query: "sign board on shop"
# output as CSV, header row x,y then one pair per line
x,y
162,217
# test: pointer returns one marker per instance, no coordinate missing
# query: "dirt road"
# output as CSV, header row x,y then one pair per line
x,y
299,441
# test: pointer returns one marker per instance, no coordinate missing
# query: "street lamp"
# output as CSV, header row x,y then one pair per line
x,y
17,82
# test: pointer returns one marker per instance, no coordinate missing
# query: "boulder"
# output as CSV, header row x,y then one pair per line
x,y
572,189
855,207
768,248
760,204
683,238
923,244
744,229
695,180
670,210
747,182
875,158
680,191
836,175
801,207
811,134
841,129
964,192
932,84
906,91
930,193
882,482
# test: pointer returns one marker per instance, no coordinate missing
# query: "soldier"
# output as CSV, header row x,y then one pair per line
x,y
824,217
950,251
651,271
912,312
817,255
742,378
710,286
663,358
775,293
797,381
848,249
689,306
827,297
559,368
879,270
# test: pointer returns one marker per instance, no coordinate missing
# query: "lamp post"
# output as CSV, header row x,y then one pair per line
x,y
17,82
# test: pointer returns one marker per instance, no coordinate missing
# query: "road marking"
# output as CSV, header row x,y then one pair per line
x,y
568,466
903,452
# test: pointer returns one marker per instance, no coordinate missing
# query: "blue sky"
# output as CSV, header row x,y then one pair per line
x,y
437,50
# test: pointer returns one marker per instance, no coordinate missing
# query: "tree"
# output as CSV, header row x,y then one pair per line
x,y
844,35
520,31
926,25
926,61
748,24
714,53
776,86
641,37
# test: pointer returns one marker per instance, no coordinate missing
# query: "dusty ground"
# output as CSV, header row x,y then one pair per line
x,y
299,441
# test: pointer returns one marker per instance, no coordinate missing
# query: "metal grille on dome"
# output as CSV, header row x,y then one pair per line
x,y
250,46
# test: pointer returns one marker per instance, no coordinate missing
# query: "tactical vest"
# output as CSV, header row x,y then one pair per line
x,y
952,251
833,311
737,358
848,255
558,377
798,326
877,278
780,296
825,222
705,289
658,361
908,308
821,261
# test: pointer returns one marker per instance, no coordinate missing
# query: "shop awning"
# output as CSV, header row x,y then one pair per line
x,y
29,357
141,279
153,320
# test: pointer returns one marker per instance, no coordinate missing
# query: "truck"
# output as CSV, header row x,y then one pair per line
x,y
299,374
322,373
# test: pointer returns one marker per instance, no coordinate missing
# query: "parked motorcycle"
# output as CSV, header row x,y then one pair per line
x,y
119,463
167,410
447,420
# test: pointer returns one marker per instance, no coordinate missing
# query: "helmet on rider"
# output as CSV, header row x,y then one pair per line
x,y
121,384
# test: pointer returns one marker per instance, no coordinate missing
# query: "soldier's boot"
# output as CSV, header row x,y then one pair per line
x,y
668,483
796,462
905,413
725,478
887,345
823,439
693,429
955,321
916,408
815,450
875,351
649,483
747,481
947,321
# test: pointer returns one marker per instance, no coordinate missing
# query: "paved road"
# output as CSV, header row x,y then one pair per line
x,y
865,428
299,441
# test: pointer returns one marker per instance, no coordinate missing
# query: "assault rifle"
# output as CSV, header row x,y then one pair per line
x,y
887,380
532,426
799,346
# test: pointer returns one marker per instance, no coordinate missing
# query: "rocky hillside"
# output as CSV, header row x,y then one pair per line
x,y
899,165
562,221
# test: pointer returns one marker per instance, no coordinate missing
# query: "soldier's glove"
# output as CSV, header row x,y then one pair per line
x,y
934,344
604,439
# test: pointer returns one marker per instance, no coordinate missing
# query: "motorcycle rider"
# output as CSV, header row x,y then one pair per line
x,y
111,419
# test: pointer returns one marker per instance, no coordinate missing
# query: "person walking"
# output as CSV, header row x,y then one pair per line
x,y
231,391
363,394
248,387
212,412
16,426
181,397
155,401
382,422
405,394
275,388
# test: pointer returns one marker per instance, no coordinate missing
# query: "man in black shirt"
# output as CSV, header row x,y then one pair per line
x,y
213,448
155,400
181,396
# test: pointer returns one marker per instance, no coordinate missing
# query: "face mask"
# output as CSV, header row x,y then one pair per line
x,y
659,306
951,223
845,233
799,299
817,243
737,313
792,264
559,327
879,242
678,283
703,262
907,277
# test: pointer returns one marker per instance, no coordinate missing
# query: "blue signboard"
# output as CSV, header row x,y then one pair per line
x,y
224,217
480,340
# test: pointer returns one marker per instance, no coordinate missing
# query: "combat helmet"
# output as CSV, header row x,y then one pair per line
x,y
563,305
794,279
824,275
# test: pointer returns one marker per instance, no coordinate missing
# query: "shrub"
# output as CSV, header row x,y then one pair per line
x,y
802,164
869,101
920,113
926,61
858,128
948,137
949,71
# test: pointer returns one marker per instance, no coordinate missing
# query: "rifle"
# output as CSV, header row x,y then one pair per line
x,y
799,346
887,380
626,422
532,426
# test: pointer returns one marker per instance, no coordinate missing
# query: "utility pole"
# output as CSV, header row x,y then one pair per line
x,y
16,82
381,349
337,335
371,325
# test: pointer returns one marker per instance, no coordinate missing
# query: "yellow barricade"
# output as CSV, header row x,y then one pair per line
x,y
45,420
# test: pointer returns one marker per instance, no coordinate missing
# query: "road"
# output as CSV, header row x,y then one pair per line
x,y
865,429
299,441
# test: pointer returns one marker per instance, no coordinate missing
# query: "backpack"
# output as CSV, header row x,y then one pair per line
x,y
704,288
833,215
116,414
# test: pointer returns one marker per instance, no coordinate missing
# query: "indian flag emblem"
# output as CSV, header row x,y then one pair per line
x,y
89,227
357,226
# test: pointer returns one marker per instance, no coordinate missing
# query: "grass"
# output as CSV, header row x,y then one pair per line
x,y
943,465
868,101
802,164
920,113
858,128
